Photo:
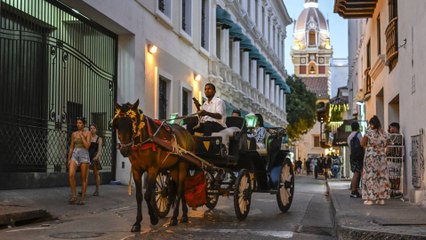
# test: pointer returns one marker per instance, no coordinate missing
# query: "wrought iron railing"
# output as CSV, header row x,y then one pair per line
x,y
55,65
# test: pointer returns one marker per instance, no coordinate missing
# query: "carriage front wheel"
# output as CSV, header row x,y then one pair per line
x,y
285,186
161,194
242,194
212,195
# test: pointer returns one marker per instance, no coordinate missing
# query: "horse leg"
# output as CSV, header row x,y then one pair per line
x,y
137,177
173,220
184,218
182,172
152,175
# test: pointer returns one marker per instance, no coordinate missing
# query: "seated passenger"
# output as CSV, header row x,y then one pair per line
x,y
259,132
236,113
213,112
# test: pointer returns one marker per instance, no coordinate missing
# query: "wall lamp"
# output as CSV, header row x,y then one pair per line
x,y
197,77
152,48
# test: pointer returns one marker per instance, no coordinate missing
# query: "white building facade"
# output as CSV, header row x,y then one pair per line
x,y
237,45
385,50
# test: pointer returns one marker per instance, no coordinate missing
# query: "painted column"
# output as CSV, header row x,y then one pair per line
x,y
236,57
244,3
253,9
224,46
277,95
282,99
266,25
272,90
245,62
259,16
261,79
267,85
271,33
253,73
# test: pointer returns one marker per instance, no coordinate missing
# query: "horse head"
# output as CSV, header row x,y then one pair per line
x,y
128,121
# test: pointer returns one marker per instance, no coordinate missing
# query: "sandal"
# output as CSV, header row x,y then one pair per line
x,y
72,200
81,202
96,193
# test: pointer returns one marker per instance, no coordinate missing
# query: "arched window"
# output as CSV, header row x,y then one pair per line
x,y
312,38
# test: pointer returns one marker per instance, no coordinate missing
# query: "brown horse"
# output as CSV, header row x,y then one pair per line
x,y
141,140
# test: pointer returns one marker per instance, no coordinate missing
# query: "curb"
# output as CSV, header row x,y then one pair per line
x,y
14,215
343,231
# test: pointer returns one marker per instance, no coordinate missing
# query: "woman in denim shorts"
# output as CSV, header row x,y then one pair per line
x,y
78,156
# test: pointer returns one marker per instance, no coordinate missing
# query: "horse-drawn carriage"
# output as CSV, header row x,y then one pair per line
x,y
236,168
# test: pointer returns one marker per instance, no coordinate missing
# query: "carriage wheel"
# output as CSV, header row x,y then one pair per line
x,y
161,194
242,194
286,186
212,195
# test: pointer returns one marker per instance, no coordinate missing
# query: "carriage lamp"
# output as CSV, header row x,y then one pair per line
x,y
251,120
172,118
152,48
197,77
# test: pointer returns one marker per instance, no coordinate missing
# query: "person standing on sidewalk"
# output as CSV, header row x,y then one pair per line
x,y
356,156
375,176
95,151
78,156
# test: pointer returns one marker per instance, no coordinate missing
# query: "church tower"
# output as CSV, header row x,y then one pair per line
x,y
312,51
311,56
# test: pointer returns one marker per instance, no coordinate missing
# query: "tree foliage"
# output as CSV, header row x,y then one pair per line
x,y
301,108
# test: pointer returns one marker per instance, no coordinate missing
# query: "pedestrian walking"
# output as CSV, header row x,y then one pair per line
x,y
375,176
78,156
95,151
308,166
299,166
356,158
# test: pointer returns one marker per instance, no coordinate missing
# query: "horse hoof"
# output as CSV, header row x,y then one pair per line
x,y
136,228
184,219
173,222
154,221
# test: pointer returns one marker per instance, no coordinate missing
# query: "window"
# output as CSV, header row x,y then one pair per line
x,y
379,40
205,17
165,7
317,141
187,16
162,97
368,54
312,38
186,102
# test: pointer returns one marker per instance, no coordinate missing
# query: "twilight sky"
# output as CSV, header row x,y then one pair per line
x,y
337,25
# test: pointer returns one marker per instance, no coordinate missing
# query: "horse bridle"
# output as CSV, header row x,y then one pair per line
x,y
137,126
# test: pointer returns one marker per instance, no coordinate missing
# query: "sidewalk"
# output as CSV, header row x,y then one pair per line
x,y
24,205
394,220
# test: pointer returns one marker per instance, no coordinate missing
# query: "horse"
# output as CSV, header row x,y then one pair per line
x,y
141,139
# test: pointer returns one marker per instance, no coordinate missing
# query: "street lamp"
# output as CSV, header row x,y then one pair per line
x,y
321,122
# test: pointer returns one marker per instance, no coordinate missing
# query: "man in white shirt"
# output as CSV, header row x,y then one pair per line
x,y
213,113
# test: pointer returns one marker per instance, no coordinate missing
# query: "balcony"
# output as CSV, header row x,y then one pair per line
x,y
355,8
392,43
367,83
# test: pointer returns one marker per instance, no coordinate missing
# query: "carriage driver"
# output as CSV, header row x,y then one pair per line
x,y
213,113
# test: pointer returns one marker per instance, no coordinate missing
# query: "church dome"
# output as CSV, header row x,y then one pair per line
x,y
311,27
310,14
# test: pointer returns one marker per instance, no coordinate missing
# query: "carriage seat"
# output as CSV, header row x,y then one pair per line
x,y
262,147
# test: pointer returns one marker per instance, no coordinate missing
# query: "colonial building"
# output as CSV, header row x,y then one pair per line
x,y
64,58
386,42
311,55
